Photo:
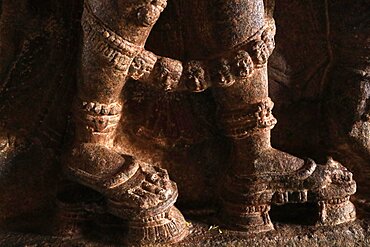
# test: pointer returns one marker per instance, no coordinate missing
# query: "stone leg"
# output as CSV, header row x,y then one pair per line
x,y
141,194
259,174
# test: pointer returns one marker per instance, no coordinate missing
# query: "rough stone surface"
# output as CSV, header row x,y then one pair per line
x,y
354,234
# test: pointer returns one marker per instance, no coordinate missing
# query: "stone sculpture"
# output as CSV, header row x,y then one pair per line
x,y
234,67
137,192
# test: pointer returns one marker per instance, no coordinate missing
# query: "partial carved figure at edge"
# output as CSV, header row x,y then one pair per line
x,y
235,69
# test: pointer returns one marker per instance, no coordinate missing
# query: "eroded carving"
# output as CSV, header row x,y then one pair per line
x,y
258,175
141,194
224,77
244,64
117,50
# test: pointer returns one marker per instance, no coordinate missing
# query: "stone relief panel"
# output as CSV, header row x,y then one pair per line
x,y
186,114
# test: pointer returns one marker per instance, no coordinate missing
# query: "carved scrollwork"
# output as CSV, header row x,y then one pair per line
x,y
142,65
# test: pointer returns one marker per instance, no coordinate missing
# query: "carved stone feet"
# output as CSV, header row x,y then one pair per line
x,y
281,179
148,207
141,194
113,51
